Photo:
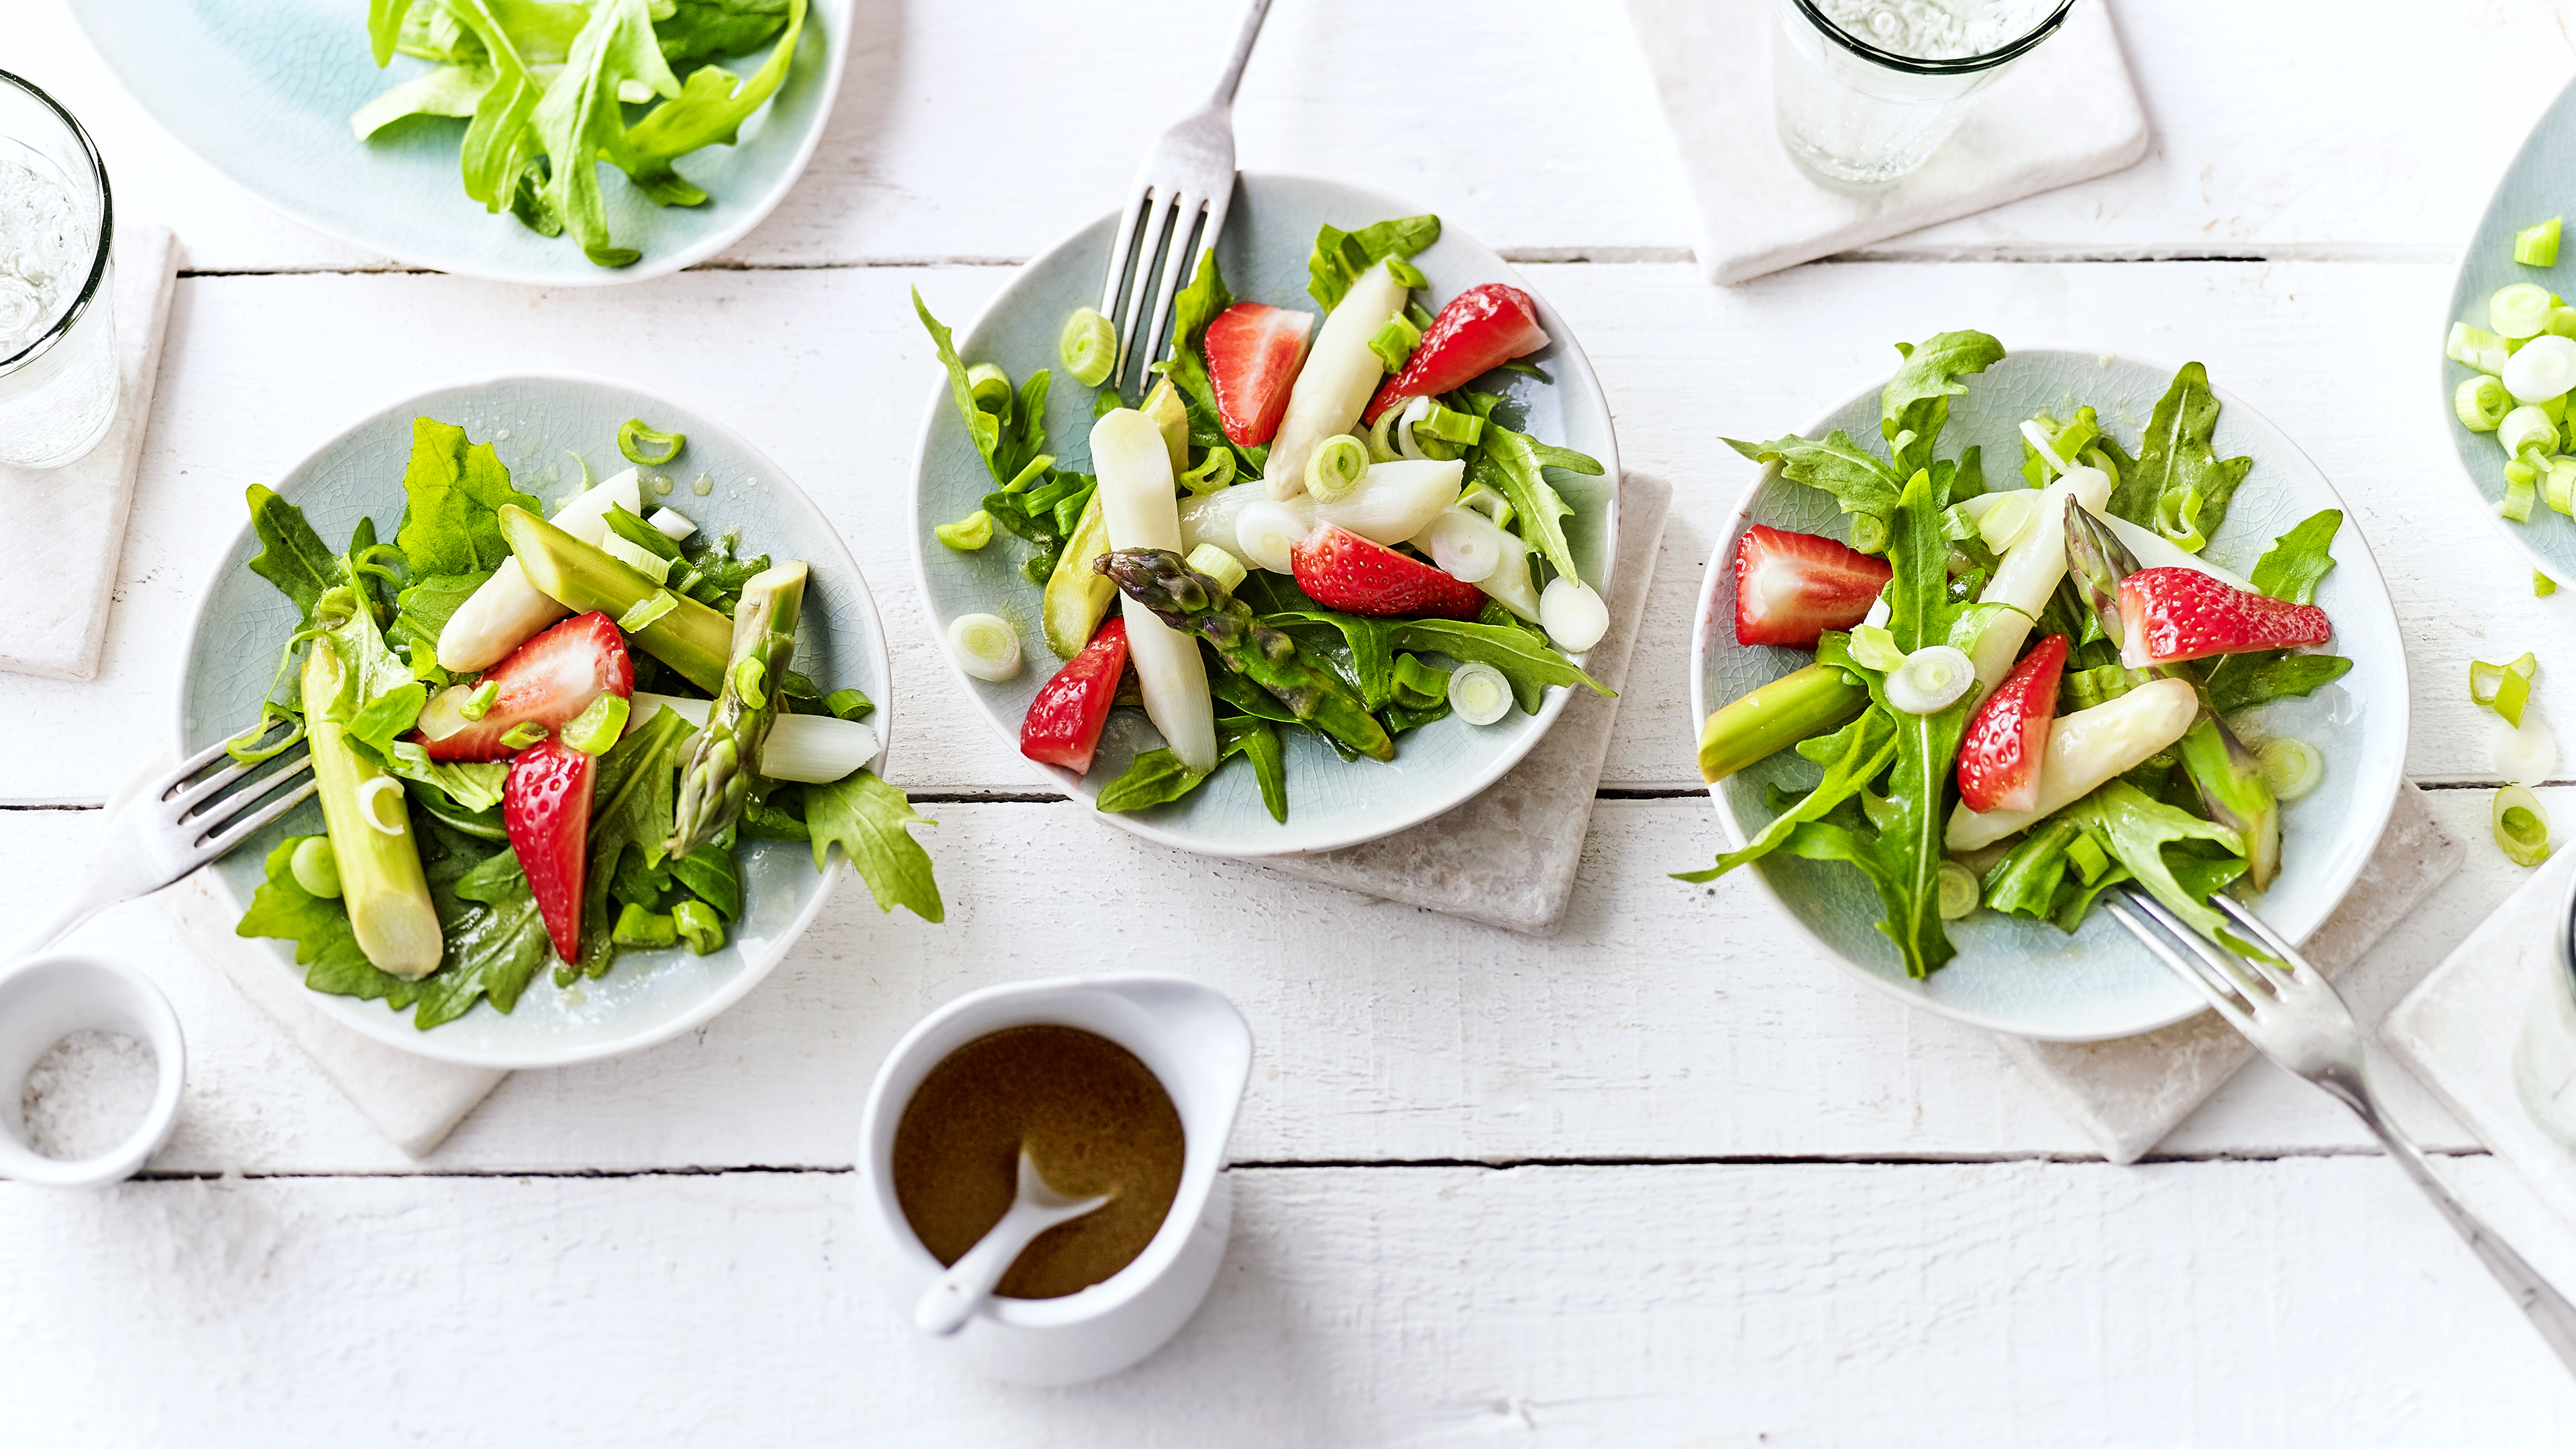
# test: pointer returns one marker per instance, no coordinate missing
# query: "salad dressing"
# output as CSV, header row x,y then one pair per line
x,y
1095,1120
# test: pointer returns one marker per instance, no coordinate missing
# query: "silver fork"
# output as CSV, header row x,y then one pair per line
x,y
169,829
1189,170
2294,1016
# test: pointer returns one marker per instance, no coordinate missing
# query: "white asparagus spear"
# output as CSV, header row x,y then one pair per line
x,y
1136,504
1466,542
2086,749
507,610
1393,503
1339,377
2030,572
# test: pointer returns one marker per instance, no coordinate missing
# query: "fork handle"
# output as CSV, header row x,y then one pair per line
x,y
2549,1312
1253,15
63,923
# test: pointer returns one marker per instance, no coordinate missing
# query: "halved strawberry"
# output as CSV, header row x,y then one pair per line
x,y
1253,353
1064,722
545,681
2173,614
1341,570
545,808
1481,329
1791,587
1999,758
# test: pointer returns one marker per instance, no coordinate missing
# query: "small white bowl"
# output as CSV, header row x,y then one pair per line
x,y
50,997
1197,1045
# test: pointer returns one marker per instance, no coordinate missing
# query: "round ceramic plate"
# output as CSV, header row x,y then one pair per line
x,y
1269,234
2535,188
242,622
263,90
2028,978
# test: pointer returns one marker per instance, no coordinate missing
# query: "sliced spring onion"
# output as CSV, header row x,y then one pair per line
x,y
847,703
1336,466
636,556
523,734
639,927
2558,483
2519,493
2521,825
2012,514
1089,347
1217,564
479,703
2477,347
1931,679
1875,648
2528,755
316,868
1381,440
2504,688
1213,472
2537,246
2291,767
1407,442
642,445
1489,502
816,749
2526,427
986,646
1451,426
598,726
1264,532
1466,544
2520,310
2034,432
967,534
2542,585
2562,321
1959,891
1479,693
2541,370
990,386
2087,856
647,609
671,523
371,807
583,464
697,923
2482,403
1394,342
1395,501
751,680
1573,615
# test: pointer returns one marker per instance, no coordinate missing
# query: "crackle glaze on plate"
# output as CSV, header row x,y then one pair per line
x,y
1269,234
2535,188
2027,978
262,91
242,623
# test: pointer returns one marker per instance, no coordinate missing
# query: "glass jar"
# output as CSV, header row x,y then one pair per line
x,y
1867,90
59,379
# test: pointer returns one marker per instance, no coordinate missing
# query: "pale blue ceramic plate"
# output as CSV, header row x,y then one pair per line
x,y
1268,236
2028,978
242,623
2540,184
262,90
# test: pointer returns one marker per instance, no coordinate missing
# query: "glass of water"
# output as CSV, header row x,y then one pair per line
x,y
1867,90
58,368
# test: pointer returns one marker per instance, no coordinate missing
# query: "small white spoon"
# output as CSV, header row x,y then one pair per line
x,y
948,1303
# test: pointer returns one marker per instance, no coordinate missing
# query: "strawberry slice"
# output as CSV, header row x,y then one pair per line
x,y
1341,570
1791,587
1253,353
1064,721
2174,614
545,681
1481,329
545,808
1999,758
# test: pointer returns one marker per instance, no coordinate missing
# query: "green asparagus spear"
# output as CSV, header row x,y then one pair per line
x,y
381,881
689,636
1791,708
1196,604
718,776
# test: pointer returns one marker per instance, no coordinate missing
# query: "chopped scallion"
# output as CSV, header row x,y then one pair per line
x,y
697,923
2476,347
1214,472
2504,688
394,821
990,386
642,445
2481,403
1089,347
847,703
1487,501
2526,427
523,734
647,609
1479,693
1959,890
479,702
635,556
316,868
2537,246
2521,825
598,726
986,646
1406,273
2519,494
1335,470
1873,647
967,534
1394,342
2542,585
637,926
1217,564
2291,767
2520,309
1450,425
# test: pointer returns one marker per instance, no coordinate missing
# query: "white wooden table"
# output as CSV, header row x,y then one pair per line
x,y
1666,1178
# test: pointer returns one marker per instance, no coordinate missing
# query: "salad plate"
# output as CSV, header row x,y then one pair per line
x,y
2021,976
1269,237
264,90
533,423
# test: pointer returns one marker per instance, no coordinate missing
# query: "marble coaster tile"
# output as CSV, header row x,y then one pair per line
x,y
1507,858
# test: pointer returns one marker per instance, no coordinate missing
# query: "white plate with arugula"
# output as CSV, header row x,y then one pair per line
x,y
1295,792
2211,503
428,480
708,117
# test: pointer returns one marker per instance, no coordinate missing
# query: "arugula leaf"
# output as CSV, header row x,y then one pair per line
x,y
2026,881
697,29
1526,659
632,790
709,109
1340,256
579,121
1916,402
474,785
1511,464
2178,469
2242,681
422,611
384,718
495,936
1260,743
1157,777
2136,829
867,817
2299,559
455,490
326,945
983,427
1856,477
1198,304
451,90
292,556
1853,756
710,874
1248,698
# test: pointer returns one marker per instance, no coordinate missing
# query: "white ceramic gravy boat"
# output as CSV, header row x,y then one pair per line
x,y
1197,1044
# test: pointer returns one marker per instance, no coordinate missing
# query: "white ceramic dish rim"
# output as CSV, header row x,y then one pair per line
x,y
836,44
2375,806
397,1031
1065,781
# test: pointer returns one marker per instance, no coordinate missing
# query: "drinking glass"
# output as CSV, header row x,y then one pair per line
x,y
1867,90
58,371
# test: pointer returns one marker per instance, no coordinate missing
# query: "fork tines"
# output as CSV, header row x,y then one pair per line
x,y
211,810
2237,985
1175,225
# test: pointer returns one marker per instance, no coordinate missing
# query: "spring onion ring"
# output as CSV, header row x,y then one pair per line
x,y
1959,890
375,790
986,646
1089,347
2521,825
1264,532
1930,680
2291,767
1479,693
1335,470
316,868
